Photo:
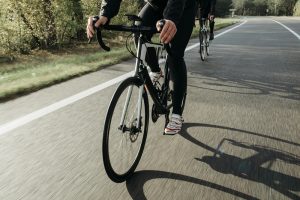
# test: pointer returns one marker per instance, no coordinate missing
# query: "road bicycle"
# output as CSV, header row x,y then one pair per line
x,y
204,39
127,119
203,35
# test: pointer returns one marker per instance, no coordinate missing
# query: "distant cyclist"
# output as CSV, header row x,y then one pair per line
x,y
179,20
207,10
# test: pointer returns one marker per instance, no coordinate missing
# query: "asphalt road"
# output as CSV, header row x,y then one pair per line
x,y
243,102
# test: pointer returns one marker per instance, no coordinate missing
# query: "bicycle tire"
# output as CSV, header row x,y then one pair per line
x,y
108,143
202,44
207,44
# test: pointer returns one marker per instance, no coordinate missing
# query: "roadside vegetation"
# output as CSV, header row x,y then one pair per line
x,y
44,68
265,7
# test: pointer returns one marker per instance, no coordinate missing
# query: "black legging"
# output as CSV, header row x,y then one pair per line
x,y
204,12
178,44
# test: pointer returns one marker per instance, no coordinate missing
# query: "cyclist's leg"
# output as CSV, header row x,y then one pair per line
x,y
204,15
150,16
211,27
177,67
204,10
176,61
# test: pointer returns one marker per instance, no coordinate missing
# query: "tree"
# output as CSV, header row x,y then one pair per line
x,y
20,10
260,7
79,19
297,9
50,30
239,5
222,7
281,7
37,17
289,7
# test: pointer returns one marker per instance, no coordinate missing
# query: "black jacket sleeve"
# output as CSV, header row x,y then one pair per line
x,y
174,9
110,8
213,7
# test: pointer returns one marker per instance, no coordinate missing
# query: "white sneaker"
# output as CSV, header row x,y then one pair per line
x,y
155,76
174,125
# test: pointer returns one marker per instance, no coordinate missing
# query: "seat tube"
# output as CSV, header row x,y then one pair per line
x,y
141,89
139,52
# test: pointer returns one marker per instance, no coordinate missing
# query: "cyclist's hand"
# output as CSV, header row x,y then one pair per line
x,y
90,28
168,31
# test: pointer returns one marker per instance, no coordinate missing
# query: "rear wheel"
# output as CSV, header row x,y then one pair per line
x,y
125,131
207,44
202,38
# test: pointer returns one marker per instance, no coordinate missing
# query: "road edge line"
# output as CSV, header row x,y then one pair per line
x,y
218,35
293,32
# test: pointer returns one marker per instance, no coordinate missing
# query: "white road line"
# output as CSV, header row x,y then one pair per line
x,y
293,32
60,104
218,35
5,128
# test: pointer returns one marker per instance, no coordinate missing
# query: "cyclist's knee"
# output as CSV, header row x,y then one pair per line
x,y
176,62
177,55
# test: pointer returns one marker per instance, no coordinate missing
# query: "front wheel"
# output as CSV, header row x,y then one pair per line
x,y
125,130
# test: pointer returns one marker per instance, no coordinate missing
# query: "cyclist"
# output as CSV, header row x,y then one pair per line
x,y
179,21
207,11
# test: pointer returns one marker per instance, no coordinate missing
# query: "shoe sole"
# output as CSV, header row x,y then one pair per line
x,y
171,133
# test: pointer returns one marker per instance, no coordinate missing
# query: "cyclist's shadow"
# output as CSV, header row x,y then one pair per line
x,y
136,183
251,168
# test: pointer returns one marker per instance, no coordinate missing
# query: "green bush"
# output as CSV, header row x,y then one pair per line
x,y
45,24
297,9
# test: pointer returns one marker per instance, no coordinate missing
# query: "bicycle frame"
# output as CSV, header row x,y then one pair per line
x,y
204,24
130,103
142,72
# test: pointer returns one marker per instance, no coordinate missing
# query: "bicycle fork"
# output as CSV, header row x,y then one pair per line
x,y
129,93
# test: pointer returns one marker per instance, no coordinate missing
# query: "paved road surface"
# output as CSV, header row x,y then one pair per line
x,y
244,100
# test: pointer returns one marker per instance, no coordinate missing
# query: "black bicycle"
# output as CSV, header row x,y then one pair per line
x,y
127,118
204,39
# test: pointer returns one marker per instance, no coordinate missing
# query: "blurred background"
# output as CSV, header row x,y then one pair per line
x,y
27,25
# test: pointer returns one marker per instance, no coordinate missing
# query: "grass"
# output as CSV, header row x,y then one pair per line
x,y
41,69
16,80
